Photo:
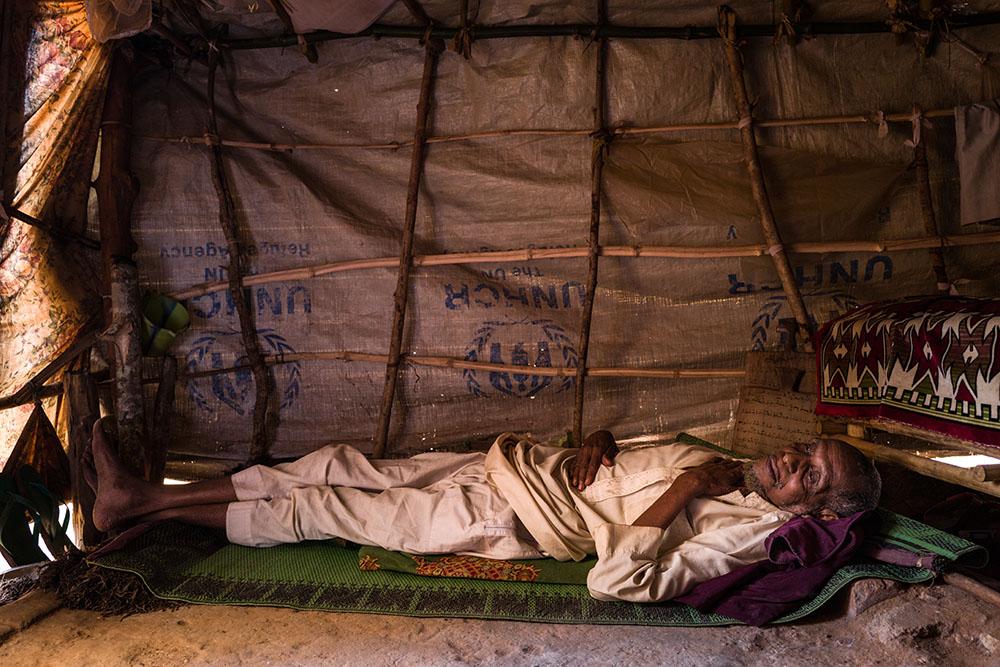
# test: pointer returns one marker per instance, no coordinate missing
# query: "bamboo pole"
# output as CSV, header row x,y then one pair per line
x,y
429,361
533,254
926,202
599,150
970,585
433,49
808,121
44,391
265,408
465,364
48,228
36,387
82,404
948,473
584,30
987,473
116,190
163,419
727,29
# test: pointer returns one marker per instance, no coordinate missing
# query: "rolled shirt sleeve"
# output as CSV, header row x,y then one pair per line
x,y
631,567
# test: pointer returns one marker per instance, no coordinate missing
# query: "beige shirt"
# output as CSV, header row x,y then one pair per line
x,y
638,563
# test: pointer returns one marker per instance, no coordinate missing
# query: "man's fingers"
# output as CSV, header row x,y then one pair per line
x,y
580,466
595,463
609,456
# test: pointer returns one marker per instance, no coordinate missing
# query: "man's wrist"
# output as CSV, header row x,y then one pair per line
x,y
688,485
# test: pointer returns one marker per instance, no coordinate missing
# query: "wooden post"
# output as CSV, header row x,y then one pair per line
x,y
433,48
163,416
727,30
116,191
265,407
83,411
602,140
926,202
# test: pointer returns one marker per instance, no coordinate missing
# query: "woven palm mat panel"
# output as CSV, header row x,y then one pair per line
x,y
768,419
194,565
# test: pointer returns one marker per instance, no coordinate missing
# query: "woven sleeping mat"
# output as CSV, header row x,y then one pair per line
x,y
195,565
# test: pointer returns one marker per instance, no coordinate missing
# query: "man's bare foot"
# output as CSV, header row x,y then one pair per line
x,y
120,495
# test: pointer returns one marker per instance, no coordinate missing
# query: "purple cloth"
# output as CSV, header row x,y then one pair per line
x,y
802,555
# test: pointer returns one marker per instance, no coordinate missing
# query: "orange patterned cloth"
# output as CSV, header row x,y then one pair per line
x,y
474,567
56,74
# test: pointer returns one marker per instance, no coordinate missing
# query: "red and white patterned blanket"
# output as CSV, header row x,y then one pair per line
x,y
931,362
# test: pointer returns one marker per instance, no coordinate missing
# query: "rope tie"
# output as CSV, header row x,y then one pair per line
x,y
462,43
915,119
211,139
602,142
774,250
428,34
463,38
727,26
745,122
785,29
919,121
883,126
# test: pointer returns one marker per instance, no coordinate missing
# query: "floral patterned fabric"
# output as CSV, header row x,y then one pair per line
x,y
49,152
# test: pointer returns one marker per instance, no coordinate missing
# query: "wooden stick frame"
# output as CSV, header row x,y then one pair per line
x,y
599,151
874,118
265,408
542,254
602,136
727,29
926,202
433,49
594,31
465,364
116,190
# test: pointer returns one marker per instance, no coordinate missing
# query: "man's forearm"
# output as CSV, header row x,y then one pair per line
x,y
665,509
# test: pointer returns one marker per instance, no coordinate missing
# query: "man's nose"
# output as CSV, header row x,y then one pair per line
x,y
792,460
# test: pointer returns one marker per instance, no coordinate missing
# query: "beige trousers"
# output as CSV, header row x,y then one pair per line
x,y
430,503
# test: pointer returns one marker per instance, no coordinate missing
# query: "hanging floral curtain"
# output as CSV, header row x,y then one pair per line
x,y
53,76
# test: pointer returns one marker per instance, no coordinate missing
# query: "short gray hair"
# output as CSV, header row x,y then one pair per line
x,y
861,495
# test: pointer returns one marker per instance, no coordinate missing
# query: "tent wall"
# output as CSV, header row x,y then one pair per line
x,y
312,206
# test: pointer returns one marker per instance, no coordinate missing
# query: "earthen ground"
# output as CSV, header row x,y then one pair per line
x,y
926,625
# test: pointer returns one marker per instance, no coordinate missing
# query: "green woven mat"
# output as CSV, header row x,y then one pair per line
x,y
180,562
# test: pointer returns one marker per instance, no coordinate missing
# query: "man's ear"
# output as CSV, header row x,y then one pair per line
x,y
826,514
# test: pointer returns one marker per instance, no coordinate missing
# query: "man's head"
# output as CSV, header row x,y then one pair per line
x,y
824,478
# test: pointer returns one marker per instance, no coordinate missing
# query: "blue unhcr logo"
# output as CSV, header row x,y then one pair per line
x,y
234,389
526,342
827,304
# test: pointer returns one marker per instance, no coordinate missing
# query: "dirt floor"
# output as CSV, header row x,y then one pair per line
x,y
937,625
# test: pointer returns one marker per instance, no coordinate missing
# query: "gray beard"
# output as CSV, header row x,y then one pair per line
x,y
751,481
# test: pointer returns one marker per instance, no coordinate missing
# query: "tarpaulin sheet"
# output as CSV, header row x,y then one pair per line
x,y
52,82
313,206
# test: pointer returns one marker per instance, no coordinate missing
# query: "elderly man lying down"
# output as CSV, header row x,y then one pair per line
x,y
659,518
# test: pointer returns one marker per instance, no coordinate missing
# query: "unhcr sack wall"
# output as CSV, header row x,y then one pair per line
x,y
319,170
